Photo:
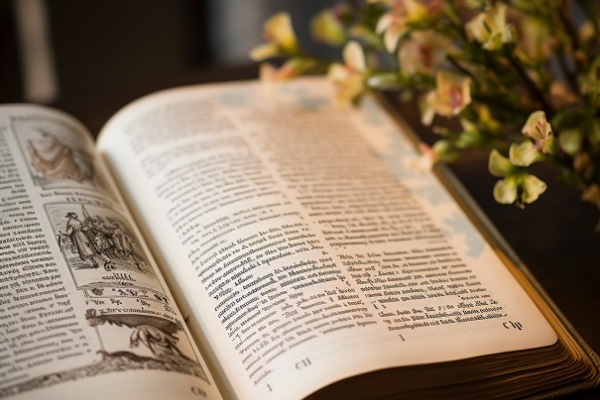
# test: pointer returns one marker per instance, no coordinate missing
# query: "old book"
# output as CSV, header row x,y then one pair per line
x,y
256,241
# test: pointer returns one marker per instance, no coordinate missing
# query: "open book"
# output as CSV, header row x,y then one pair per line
x,y
250,241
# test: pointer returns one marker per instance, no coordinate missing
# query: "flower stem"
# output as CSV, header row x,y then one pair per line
x,y
531,86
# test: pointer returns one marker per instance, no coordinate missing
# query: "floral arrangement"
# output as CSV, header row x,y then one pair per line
x,y
520,78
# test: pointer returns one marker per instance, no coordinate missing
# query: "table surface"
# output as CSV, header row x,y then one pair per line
x,y
554,237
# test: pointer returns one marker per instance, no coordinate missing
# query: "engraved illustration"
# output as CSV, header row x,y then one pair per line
x,y
54,159
85,241
97,240
104,257
120,317
56,155
155,338
133,326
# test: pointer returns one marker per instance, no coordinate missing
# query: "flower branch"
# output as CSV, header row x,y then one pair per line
x,y
521,78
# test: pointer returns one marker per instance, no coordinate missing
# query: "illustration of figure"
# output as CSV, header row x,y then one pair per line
x,y
123,244
104,227
53,159
83,244
101,243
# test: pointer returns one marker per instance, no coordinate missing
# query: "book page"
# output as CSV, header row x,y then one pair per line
x,y
304,245
83,310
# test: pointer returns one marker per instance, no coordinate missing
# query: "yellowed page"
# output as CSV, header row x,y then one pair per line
x,y
304,245
84,312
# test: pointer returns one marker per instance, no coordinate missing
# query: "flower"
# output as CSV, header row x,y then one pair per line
x,y
451,96
426,159
328,28
523,154
396,22
429,155
539,129
490,28
518,78
532,188
280,36
499,165
518,186
349,77
505,190
423,53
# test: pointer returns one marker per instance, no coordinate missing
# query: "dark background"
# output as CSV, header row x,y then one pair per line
x,y
106,53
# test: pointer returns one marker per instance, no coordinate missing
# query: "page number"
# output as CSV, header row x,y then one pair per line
x,y
305,362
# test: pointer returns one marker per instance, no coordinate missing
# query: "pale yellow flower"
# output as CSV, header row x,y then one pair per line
x,y
490,28
423,52
532,188
505,190
517,186
539,130
327,28
349,77
498,165
280,36
396,22
523,154
451,96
